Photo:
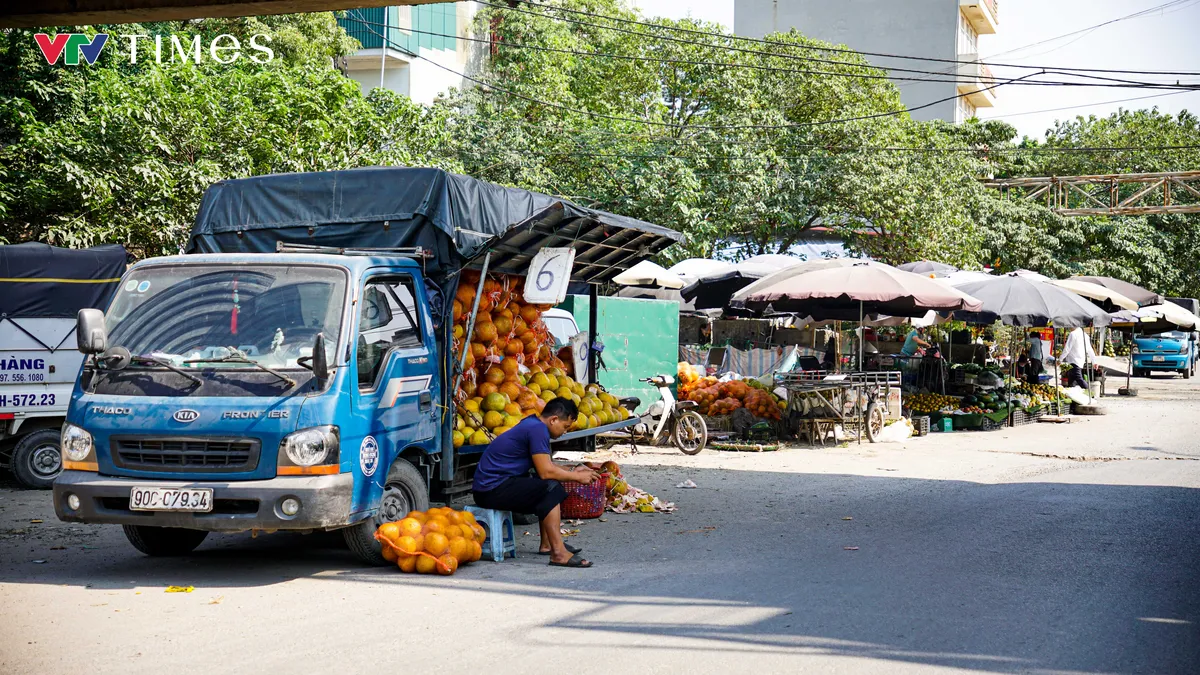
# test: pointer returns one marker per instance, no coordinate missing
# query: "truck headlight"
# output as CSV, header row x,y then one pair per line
x,y
1183,349
1133,349
77,445
310,447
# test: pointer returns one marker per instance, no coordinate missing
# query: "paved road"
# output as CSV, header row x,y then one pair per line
x,y
975,552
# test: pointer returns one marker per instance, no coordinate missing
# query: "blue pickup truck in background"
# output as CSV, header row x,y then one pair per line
x,y
1168,350
1173,351
294,370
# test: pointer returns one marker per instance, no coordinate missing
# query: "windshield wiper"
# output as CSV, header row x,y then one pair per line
x,y
238,356
141,358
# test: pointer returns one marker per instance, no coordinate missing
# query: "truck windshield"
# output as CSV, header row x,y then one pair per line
x,y
190,313
1171,335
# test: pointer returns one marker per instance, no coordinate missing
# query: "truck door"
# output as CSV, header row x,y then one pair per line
x,y
395,362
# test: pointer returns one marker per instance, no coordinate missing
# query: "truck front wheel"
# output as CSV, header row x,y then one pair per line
x,y
404,491
163,541
37,459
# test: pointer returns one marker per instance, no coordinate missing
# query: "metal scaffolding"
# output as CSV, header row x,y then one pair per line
x,y
1118,194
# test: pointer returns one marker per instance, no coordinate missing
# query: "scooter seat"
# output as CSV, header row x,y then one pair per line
x,y
630,403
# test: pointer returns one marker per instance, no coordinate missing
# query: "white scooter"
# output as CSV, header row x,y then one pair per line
x,y
668,419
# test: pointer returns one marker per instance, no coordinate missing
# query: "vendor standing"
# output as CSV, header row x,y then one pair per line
x,y
1034,348
1077,352
502,481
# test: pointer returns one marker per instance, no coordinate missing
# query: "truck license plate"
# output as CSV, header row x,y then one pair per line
x,y
170,499
1159,358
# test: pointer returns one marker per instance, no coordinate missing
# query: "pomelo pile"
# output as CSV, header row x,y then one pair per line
x,y
511,369
437,540
722,398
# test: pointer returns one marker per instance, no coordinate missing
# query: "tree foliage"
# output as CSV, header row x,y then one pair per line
x,y
122,152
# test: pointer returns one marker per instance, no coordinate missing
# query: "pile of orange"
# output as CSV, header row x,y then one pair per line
x,y
437,540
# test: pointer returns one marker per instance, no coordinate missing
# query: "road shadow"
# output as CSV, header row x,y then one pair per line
x,y
1030,576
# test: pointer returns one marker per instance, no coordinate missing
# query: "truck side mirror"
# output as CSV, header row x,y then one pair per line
x,y
320,362
90,334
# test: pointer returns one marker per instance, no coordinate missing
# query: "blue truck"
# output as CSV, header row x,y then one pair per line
x,y
294,369
1168,350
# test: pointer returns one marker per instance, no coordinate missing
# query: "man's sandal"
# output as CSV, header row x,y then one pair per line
x,y
575,561
572,549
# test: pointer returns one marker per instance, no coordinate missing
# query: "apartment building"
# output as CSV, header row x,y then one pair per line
x,y
942,29
413,50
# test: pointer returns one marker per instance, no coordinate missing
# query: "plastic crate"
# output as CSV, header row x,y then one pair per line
x,y
585,501
920,425
971,421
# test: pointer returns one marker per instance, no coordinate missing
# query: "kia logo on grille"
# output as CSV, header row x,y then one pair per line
x,y
185,415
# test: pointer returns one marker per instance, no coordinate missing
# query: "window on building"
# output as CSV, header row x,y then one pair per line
x,y
964,110
389,321
968,39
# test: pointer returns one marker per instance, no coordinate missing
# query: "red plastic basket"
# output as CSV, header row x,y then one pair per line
x,y
585,501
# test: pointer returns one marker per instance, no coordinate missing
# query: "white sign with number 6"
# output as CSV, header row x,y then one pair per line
x,y
549,273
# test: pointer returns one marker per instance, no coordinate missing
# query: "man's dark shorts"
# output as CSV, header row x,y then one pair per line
x,y
523,494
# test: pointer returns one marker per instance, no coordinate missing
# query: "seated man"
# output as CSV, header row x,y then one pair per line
x,y
502,480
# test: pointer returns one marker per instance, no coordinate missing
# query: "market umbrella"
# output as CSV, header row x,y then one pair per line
x,y
1029,274
928,267
861,288
714,289
1108,299
857,290
1136,293
738,301
1017,300
697,267
965,277
648,274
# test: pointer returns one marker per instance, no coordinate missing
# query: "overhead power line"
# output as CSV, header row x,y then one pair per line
x,y
777,43
750,66
633,120
823,147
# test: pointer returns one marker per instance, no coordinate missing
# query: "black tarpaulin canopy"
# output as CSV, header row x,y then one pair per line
x,y
39,280
456,217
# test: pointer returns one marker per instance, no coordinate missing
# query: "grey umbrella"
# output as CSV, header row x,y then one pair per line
x,y
928,267
1134,292
1020,301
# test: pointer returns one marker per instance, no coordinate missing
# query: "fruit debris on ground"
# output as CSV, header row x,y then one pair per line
x,y
624,498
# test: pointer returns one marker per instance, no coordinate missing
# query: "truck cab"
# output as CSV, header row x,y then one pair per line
x,y
206,408
1173,351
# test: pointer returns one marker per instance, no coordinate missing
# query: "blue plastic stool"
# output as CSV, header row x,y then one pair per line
x,y
496,521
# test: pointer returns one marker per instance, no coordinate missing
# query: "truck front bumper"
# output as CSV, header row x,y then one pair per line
x,y
237,506
1169,362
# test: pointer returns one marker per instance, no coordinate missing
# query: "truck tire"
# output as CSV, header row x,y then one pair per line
x,y
404,491
163,541
1186,372
37,459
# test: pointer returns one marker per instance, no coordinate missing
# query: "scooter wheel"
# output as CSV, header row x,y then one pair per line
x,y
690,434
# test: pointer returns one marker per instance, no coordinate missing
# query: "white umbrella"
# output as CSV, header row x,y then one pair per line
x,y
1096,292
648,274
697,267
965,277
1171,313
1029,274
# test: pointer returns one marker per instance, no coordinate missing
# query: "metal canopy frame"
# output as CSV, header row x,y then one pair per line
x,y
602,249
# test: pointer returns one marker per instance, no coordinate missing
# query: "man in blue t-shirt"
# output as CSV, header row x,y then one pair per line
x,y
502,480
